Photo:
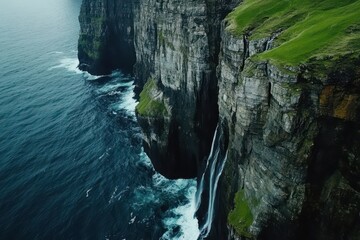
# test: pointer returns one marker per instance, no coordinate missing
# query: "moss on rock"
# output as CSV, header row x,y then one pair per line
x,y
240,218
151,103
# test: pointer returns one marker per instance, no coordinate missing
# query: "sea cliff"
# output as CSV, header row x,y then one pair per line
x,y
280,79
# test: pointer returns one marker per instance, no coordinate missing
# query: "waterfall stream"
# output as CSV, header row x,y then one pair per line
x,y
213,170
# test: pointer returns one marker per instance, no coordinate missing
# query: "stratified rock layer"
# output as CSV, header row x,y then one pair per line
x,y
294,139
177,44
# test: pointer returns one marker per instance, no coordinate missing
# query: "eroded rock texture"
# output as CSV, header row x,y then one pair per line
x,y
294,138
177,43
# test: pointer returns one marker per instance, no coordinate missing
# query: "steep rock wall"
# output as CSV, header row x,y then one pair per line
x,y
177,44
106,40
294,138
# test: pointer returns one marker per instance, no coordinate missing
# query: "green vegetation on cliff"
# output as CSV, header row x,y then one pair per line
x,y
321,29
151,104
240,218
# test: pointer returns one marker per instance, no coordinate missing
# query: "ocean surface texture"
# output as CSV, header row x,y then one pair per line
x,y
71,161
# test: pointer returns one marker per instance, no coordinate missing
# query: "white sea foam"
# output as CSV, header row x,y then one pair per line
x,y
56,52
111,87
115,196
114,74
132,218
87,192
128,102
182,216
170,186
70,64
144,159
102,156
90,77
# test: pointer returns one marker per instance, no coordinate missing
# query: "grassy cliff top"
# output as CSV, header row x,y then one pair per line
x,y
320,29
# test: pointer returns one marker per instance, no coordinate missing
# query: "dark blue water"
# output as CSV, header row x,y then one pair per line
x,y
71,162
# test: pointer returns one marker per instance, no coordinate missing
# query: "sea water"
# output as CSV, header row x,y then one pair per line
x,y
71,161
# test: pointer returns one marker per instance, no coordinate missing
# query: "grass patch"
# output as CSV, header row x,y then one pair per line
x,y
240,218
149,105
309,28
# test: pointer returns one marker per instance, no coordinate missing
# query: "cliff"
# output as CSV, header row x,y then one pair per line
x,y
106,40
177,45
281,79
289,88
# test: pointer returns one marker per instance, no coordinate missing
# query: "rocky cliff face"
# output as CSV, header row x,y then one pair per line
x,y
292,132
106,40
177,44
294,145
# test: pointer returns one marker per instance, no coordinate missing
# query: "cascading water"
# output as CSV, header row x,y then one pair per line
x,y
269,43
201,184
213,170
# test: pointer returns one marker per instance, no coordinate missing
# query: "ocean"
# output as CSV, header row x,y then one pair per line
x,y
71,159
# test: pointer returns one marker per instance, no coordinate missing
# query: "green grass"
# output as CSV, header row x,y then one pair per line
x,y
309,29
148,105
240,218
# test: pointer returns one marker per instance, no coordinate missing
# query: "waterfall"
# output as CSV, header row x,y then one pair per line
x,y
213,170
201,184
270,41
